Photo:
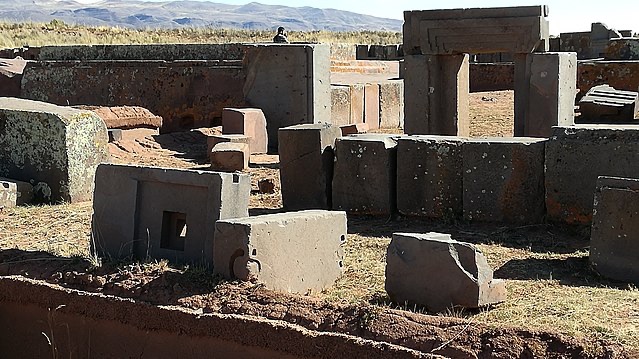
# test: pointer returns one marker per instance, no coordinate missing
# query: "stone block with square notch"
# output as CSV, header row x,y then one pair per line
x,y
229,157
249,122
14,193
149,212
294,252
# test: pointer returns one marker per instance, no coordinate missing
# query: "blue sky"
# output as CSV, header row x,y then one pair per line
x,y
565,16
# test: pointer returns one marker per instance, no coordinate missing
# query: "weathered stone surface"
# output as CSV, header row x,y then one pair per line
x,y
622,75
230,156
504,180
11,76
614,239
213,140
576,156
371,105
365,174
294,252
340,105
249,122
623,49
14,193
440,273
357,103
56,148
429,176
125,117
606,104
354,129
147,212
391,104
306,165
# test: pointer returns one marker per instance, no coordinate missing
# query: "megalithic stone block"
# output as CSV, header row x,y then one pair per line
x,y
294,252
306,165
249,122
229,157
614,239
58,148
606,104
439,273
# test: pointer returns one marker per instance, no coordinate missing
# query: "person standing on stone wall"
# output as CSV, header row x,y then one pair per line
x,y
281,36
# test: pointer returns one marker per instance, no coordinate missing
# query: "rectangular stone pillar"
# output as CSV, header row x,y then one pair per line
x,y
436,91
545,89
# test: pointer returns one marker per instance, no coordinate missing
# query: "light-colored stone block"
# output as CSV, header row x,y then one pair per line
x,y
249,122
213,140
230,157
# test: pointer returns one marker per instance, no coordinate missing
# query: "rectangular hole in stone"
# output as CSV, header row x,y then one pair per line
x,y
173,231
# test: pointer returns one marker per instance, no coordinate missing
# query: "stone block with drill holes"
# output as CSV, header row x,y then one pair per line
x,y
576,156
439,273
614,239
149,212
14,193
230,156
213,140
296,252
365,174
429,176
306,165
504,180
249,122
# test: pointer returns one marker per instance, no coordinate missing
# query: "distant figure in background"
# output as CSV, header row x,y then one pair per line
x,y
281,35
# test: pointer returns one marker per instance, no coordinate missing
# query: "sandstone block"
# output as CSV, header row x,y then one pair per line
x,y
294,252
306,165
14,193
229,157
365,174
504,180
429,176
614,239
357,103
213,140
147,212
340,105
57,146
391,104
371,105
440,273
125,117
249,122
354,129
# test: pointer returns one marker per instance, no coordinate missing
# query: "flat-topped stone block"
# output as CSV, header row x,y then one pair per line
x,y
576,156
306,165
213,140
149,212
56,148
429,176
249,122
365,174
14,193
295,252
504,180
230,156
614,239
439,273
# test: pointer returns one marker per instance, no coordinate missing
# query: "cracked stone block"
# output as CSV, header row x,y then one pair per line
x,y
163,213
229,157
14,193
59,147
503,180
614,239
365,174
306,165
295,252
249,122
439,273
429,176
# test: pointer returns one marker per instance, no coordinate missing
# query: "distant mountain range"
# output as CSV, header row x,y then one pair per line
x,y
185,13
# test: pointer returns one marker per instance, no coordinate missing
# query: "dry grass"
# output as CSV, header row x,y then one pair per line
x,y
14,35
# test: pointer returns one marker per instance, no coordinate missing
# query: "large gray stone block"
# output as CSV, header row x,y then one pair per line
x,y
148,212
306,165
504,180
56,148
614,240
292,252
576,156
439,273
429,176
365,174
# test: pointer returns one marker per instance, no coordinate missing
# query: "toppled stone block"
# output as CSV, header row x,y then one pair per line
x,y
230,157
504,180
125,117
439,273
429,176
354,129
58,146
249,122
365,174
294,252
391,104
14,193
212,141
147,212
306,165
614,239
607,104
575,157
